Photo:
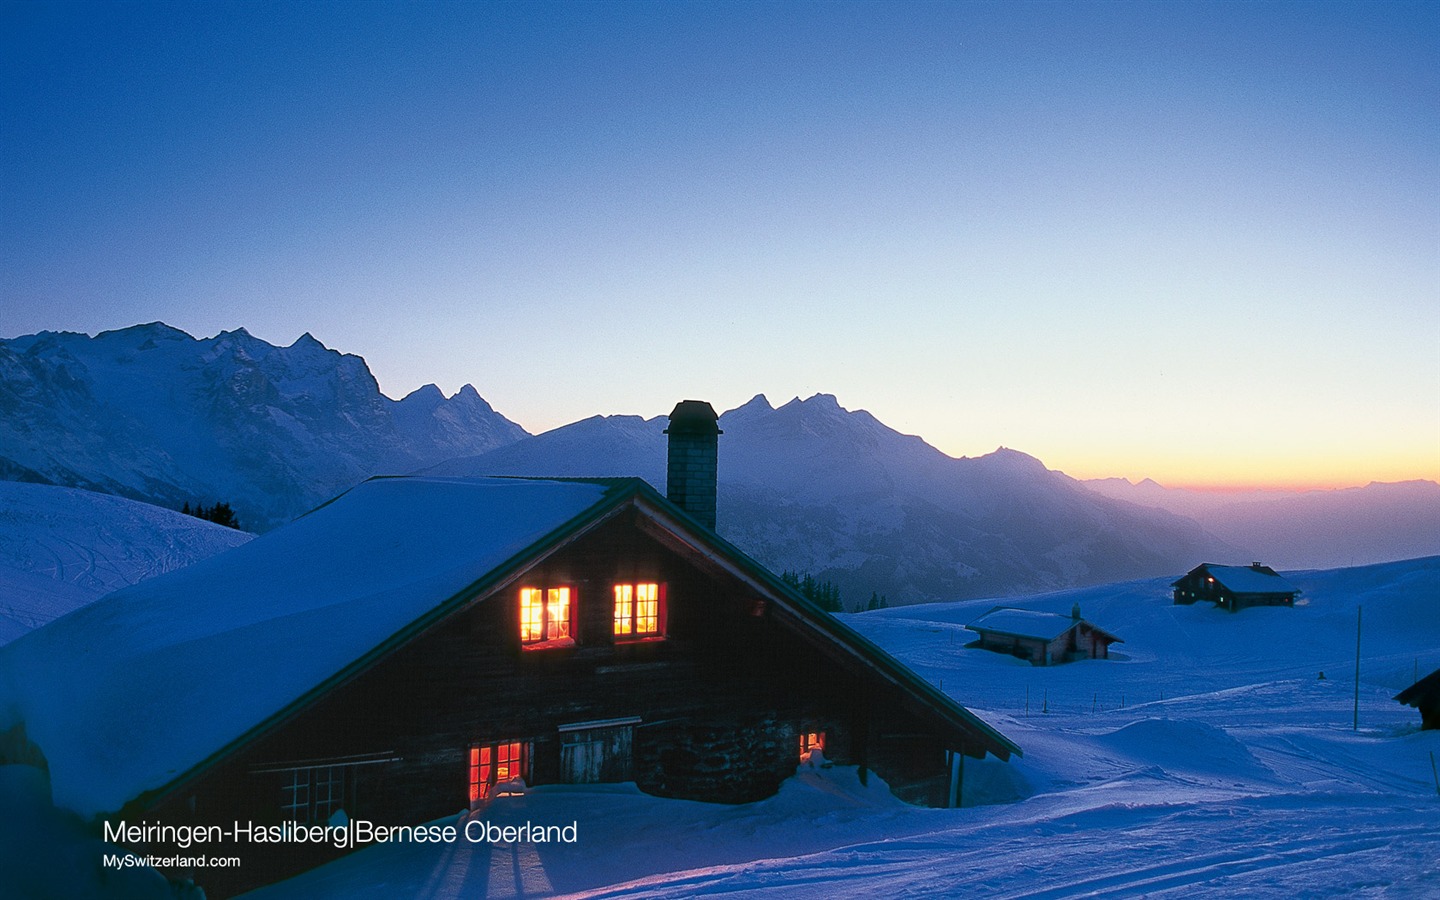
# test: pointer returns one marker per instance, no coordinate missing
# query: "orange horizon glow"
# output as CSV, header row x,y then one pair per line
x,y
1250,485
1267,473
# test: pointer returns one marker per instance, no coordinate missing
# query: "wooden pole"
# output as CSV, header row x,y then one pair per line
x,y
1434,773
1359,612
960,780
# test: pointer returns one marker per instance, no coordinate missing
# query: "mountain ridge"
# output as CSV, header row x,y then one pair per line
x,y
810,486
151,413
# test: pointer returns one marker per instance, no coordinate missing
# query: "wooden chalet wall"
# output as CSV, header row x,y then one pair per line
x,y
718,706
1087,643
1081,642
1198,585
1035,650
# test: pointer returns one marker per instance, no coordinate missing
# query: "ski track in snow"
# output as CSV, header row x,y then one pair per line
x,y
61,548
1206,759
1261,865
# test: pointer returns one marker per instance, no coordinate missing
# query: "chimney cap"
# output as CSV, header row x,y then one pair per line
x,y
694,417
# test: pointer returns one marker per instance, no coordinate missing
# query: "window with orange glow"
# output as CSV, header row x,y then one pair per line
x,y
495,764
811,740
544,614
638,610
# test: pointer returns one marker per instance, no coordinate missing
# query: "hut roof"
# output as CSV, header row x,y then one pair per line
x,y
1423,693
1029,623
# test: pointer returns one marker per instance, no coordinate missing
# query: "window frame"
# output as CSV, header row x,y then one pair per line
x,y
811,741
302,782
526,620
483,762
625,619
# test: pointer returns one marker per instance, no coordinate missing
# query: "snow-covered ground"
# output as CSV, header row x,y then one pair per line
x,y
1206,758
61,548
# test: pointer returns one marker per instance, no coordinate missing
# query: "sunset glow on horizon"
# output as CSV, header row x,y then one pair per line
x,y
1194,242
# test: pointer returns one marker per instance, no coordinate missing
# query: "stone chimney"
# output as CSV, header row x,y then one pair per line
x,y
690,470
1075,612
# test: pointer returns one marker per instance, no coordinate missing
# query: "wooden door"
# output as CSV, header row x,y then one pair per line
x,y
596,755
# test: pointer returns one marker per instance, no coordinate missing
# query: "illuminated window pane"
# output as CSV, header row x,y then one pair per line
x,y
557,607
624,608
492,764
647,609
637,609
532,615
477,781
507,761
811,740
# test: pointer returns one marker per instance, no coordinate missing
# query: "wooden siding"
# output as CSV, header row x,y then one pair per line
x,y
1197,585
721,702
1081,642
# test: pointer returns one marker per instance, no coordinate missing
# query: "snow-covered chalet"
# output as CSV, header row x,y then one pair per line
x,y
423,644
1043,638
1235,587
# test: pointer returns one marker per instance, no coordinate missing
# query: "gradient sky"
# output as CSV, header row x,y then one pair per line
x,y
1195,242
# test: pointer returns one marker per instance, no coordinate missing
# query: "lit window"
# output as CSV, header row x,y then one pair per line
x,y
496,764
544,614
638,610
811,740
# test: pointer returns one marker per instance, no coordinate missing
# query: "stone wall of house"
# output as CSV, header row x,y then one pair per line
x,y
735,761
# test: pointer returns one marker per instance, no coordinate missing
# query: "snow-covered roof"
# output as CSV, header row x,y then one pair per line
x,y
1024,623
1249,580
1423,693
146,684
129,687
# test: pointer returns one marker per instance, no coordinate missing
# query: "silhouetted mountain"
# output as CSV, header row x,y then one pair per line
x,y
812,487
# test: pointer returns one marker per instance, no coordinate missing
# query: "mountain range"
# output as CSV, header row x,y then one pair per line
x,y
812,487
152,413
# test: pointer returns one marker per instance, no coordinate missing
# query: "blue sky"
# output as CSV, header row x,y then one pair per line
x,y
1196,242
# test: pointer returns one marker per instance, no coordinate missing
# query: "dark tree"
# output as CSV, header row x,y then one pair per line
x,y
220,513
822,593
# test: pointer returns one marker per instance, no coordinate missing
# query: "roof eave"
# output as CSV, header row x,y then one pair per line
x,y
617,493
806,613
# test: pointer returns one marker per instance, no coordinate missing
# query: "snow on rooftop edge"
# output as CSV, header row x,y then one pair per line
x,y
151,679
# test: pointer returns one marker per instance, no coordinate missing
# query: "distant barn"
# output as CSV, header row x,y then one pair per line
x,y
1235,587
1042,638
1424,695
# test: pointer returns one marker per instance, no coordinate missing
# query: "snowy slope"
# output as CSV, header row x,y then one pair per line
x,y
151,413
813,487
61,548
1211,760
310,599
